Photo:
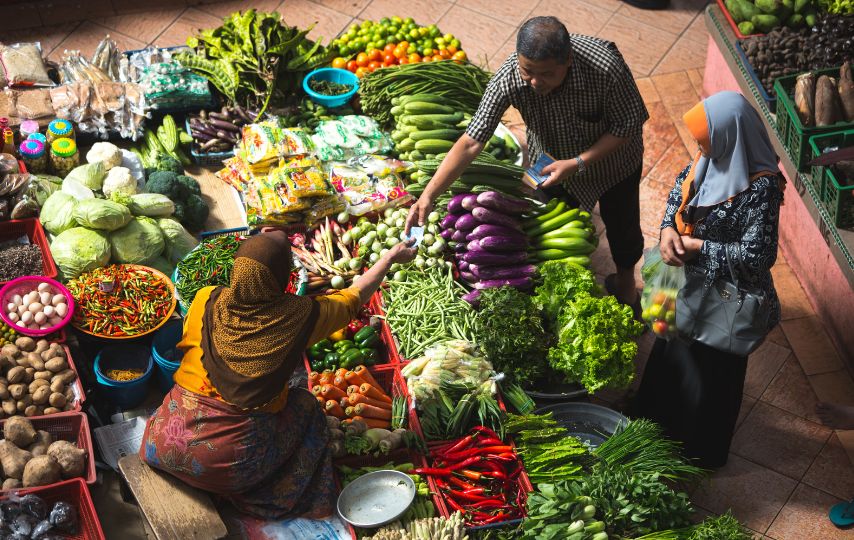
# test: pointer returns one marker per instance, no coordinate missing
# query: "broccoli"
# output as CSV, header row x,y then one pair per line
x,y
196,213
165,183
165,162
189,186
180,211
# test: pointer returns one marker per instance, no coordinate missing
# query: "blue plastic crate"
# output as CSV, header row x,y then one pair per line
x,y
769,99
211,158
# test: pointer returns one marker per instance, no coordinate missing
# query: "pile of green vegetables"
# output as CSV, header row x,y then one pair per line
x,y
254,59
460,84
549,453
594,333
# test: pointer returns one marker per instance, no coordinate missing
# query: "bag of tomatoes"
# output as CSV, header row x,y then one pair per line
x,y
662,283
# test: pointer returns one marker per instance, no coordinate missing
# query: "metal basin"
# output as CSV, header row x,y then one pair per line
x,y
592,424
376,498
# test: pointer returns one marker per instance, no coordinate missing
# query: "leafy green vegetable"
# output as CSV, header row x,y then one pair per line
x,y
561,510
838,7
562,282
547,450
511,334
79,250
595,345
723,527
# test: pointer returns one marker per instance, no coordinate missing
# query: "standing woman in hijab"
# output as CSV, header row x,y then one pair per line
x,y
723,213
231,425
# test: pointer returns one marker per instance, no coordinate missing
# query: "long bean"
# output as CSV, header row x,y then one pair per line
x,y
425,308
209,264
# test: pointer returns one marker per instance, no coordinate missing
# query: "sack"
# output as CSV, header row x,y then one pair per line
x,y
724,316
661,284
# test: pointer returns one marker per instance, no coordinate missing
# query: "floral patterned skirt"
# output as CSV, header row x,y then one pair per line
x,y
268,465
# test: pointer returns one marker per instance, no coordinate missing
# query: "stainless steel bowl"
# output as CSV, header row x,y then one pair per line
x,y
376,498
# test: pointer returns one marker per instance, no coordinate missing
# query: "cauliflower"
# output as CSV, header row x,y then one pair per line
x,y
106,152
119,179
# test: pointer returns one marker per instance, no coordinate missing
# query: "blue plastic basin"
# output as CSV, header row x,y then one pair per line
x,y
340,76
128,394
164,353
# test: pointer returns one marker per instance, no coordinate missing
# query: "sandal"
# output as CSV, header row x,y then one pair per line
x,y
611,287
842,514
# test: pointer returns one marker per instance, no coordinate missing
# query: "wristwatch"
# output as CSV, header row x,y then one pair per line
x,y
581,166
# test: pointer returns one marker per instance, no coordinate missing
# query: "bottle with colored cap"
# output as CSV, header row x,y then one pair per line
x,y
27,128
39,137
63,156
34,156
59,129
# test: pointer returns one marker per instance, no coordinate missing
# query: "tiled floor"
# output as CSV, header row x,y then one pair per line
x,y
786,469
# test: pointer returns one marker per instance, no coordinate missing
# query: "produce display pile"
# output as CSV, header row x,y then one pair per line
x,y
36,378
208,265
759,16
33,458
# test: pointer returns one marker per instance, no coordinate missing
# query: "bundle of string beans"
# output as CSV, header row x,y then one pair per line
x,y
462,84
437,528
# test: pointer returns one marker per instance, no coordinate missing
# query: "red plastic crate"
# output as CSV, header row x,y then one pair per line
x,y
76,493
72,427
32,229
732,23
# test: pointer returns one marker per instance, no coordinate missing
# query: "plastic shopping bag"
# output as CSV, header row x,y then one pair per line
x,y
658,301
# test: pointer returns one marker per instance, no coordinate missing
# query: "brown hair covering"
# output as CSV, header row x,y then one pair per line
x,y
254,333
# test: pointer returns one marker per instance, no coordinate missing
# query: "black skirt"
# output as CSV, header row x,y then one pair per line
x,y
694,392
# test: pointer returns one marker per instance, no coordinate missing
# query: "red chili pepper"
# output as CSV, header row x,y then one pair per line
x,y
463,496
495,449
471,475
465,463
504,458
490,441
431,471
497,517
475,491
458,446
460,483
498,474
486,430
489,503
455,505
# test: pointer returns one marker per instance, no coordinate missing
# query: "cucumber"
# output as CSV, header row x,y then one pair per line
x,y
444,134
405,145
552,224
398,135
433,146
415,155
424,107
428,120
424,98
579,246
397,110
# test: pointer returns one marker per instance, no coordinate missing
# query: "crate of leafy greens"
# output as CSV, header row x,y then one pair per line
x,y
24,250
208,264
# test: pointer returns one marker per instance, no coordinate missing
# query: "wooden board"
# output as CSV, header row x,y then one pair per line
x,y
226,210
172,508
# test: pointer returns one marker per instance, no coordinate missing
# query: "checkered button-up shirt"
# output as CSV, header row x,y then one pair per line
x,y
598,96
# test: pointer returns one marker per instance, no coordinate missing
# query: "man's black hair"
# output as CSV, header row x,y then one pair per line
x,y
544,38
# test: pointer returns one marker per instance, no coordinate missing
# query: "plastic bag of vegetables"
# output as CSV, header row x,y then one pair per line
x,y
57,213
137,242
101,214
79,250
178,241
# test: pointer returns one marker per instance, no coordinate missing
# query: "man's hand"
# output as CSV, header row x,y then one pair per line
x,y
402,253
559,171
671,247
418,213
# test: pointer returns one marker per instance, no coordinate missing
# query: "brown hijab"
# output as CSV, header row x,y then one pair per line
x,y
254,333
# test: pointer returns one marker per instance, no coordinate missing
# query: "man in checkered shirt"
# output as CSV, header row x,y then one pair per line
x,y
581,106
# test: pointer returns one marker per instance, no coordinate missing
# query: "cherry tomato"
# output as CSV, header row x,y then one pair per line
x,y
389,59
452,49
460,56
339,63
437,57
399,52
414,58
375,55
445,53
427,58
362,59
373,66
389,49
360,72
403,61
352,65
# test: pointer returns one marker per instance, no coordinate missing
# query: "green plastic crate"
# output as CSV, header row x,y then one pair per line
x,y
794,135
837,199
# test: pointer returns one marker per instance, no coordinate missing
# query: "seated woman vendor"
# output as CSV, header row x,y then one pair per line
x,y
230,425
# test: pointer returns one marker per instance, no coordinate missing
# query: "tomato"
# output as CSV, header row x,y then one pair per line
x,y
460,56
427,58
399,52
360,72
339,63
414,58
437,57
659,298
403,45
373,66
403,61
660,328
362,59
375,55
351,66
452,49
445,53
389,48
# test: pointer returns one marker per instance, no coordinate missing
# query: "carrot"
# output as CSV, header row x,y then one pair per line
x,y
321,400
333,408
313,377
353,389
363,372
316,389
355,399
349,411
363,409
340,383
344,402
326,377
331,392
373,422
340,372
354,378
374,393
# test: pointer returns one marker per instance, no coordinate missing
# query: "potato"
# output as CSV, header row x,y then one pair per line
x,y
71,459
37,383
41,395
43,441
7,361
9,407
17,391
41,346
33,410
35,361
14,459
57,400
52,410
56,365
26,344
43,375
68,376
41,470
28,375
20,432
11,483
16,374
22,361
10,350
4,391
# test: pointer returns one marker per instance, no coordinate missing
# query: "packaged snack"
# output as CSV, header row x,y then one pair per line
x,y
303,182
322,207
355,187
23,65
295,142
259,142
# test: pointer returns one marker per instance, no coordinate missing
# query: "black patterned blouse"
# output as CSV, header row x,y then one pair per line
x,y
743,230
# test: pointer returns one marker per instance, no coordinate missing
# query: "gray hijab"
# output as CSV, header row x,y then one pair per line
x,y
740,148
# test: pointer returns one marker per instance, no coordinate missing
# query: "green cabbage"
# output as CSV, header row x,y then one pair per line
x,y
138,242
57,213
79,250
90,175
151,205
178,241
101,214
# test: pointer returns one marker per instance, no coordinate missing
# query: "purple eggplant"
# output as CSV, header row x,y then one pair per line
x,y
455,205
469,202
502,243
473,298
448,221
482,231
474,245
491,217
502,203
466,222
447,233
459,236
496,259
502,272
517,283
468,277
463,266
